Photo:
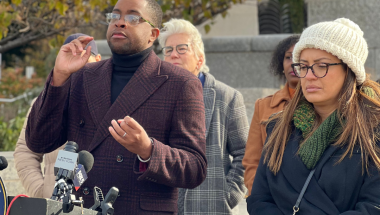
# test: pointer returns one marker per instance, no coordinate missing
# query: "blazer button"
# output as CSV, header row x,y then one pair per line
x,y
119,158
81,123
86,191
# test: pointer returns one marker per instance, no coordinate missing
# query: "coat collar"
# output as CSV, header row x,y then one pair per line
x,y
209,95
146,80
280,96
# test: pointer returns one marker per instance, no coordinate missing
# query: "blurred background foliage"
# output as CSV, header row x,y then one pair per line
x,y
10,131
14,84
24,21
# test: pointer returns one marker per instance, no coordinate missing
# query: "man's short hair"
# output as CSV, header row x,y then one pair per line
x,y
155,12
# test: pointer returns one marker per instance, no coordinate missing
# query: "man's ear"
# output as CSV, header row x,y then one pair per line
x,y
155,32
98,58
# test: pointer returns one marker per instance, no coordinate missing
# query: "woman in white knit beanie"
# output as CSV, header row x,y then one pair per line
x,y
322,153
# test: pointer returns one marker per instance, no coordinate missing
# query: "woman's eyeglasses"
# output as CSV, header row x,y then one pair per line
x,y
318,69
181,49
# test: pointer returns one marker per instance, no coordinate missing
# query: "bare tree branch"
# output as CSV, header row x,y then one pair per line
x,y
27,28
9,38
29,37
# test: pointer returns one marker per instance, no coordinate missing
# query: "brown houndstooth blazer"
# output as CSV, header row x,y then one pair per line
x,y
165,99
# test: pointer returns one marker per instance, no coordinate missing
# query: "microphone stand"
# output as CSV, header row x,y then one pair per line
x,y
69,200
60,189
63,192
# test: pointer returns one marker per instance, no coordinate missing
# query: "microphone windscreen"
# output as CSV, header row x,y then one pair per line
x,y
86,159
3,163
71,146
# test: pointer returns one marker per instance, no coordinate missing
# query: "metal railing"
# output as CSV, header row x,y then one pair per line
x,y
10,100
11,107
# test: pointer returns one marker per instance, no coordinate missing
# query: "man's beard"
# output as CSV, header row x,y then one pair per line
x,y
125,49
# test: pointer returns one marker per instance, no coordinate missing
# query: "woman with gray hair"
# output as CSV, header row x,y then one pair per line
x,y
226,124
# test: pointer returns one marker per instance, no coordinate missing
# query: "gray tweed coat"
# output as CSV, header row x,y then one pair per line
x,y
226,136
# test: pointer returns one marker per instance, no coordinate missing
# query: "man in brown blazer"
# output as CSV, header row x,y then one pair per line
x,y
142,119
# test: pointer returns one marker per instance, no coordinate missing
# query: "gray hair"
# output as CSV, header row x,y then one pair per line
x,y
179,26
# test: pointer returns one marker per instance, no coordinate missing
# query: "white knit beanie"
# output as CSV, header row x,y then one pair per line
x,y
342,38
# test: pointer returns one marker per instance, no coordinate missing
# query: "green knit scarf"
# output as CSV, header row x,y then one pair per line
x,y
312,149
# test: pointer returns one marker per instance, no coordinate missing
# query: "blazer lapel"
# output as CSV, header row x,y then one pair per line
x,y
209,98
97,86
142,85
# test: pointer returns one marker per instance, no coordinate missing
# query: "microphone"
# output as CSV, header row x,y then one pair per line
x,y
98,199
104,205
66,161
64,169
110,198
70,175
3,163
85,163
86,159
3,193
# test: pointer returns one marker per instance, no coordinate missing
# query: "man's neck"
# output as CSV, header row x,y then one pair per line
x,y
133,60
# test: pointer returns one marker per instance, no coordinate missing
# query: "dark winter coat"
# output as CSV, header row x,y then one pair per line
x,y
335,188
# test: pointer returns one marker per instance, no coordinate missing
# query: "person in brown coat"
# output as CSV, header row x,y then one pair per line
x,y
280,65
28,163
141,118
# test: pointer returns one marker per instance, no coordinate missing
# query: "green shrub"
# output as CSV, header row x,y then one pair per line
x,y
10,131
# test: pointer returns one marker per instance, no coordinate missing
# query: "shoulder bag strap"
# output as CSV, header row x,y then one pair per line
x,y
296,206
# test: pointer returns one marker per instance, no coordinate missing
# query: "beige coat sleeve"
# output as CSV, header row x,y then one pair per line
x,y
28,165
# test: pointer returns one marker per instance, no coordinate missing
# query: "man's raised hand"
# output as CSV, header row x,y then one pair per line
x,y
70,59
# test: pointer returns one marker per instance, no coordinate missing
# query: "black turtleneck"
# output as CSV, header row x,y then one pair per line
x,y
124,67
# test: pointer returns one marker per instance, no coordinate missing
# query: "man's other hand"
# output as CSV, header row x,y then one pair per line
x,y
132,136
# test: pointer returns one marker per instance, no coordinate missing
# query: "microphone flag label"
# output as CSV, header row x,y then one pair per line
x,y
80,176
65,160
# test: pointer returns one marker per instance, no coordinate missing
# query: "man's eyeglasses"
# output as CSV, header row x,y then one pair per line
x,y
129,18
319,69
181,49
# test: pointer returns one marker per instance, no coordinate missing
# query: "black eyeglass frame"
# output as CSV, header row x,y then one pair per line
x,y
176,48
140,18
312,70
